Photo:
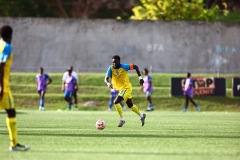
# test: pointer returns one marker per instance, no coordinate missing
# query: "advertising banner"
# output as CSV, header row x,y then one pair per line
x,y
202,86
236,86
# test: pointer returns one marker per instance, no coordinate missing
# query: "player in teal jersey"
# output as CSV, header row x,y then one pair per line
x,y
6,99
118,73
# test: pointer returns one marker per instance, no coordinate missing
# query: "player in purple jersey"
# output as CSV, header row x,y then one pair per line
x,y
68,87
147,88
188,93
75,92
43,80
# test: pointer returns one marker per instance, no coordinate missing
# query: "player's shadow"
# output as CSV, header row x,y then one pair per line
x,y
212,99
127,135
18,112
131,153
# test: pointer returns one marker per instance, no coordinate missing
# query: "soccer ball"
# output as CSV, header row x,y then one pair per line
x,y
100,124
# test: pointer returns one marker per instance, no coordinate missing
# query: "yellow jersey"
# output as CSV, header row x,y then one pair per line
x,y
120,79
6,57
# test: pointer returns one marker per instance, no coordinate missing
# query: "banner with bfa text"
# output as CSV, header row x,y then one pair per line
x,y
202,86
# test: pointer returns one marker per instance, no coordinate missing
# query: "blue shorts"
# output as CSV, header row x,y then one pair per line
x,y
188,94
148,93
68,94
41,90
113,95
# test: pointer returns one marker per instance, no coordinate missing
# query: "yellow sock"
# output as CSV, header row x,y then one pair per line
x,y
119,109
12,130
135,109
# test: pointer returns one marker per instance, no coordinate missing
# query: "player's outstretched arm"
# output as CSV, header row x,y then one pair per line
x,y
106,80
37,85
139,74
76,85
49,81
63,86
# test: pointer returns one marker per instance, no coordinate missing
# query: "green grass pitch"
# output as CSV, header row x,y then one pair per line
x,y
166,135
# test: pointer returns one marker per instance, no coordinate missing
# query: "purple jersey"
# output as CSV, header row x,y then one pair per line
x,y
42,81
188,87
147,85
70,83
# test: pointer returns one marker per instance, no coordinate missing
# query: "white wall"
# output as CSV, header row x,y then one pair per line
x,y
172,46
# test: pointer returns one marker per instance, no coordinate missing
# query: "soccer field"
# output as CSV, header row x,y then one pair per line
x,y
166,135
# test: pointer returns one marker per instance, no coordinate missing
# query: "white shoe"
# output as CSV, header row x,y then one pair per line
x,y
19,147
150,109
41,108
75,108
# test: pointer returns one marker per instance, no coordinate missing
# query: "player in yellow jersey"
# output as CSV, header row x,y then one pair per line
x,y
119,79
6,99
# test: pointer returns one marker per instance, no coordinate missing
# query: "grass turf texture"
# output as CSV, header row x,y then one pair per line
x,y
166,135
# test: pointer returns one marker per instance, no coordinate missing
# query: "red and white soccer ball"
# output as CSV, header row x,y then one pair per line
x,y
100,124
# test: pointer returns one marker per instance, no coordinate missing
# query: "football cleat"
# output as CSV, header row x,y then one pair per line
x,y
19,147
121,123
143,119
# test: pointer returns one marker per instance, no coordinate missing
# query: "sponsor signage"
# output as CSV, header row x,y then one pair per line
x,y
202,86
236,86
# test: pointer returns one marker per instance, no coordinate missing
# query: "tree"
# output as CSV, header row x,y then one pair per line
x,y
174,10
231,5
76,8
82,9
26,8
85,9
